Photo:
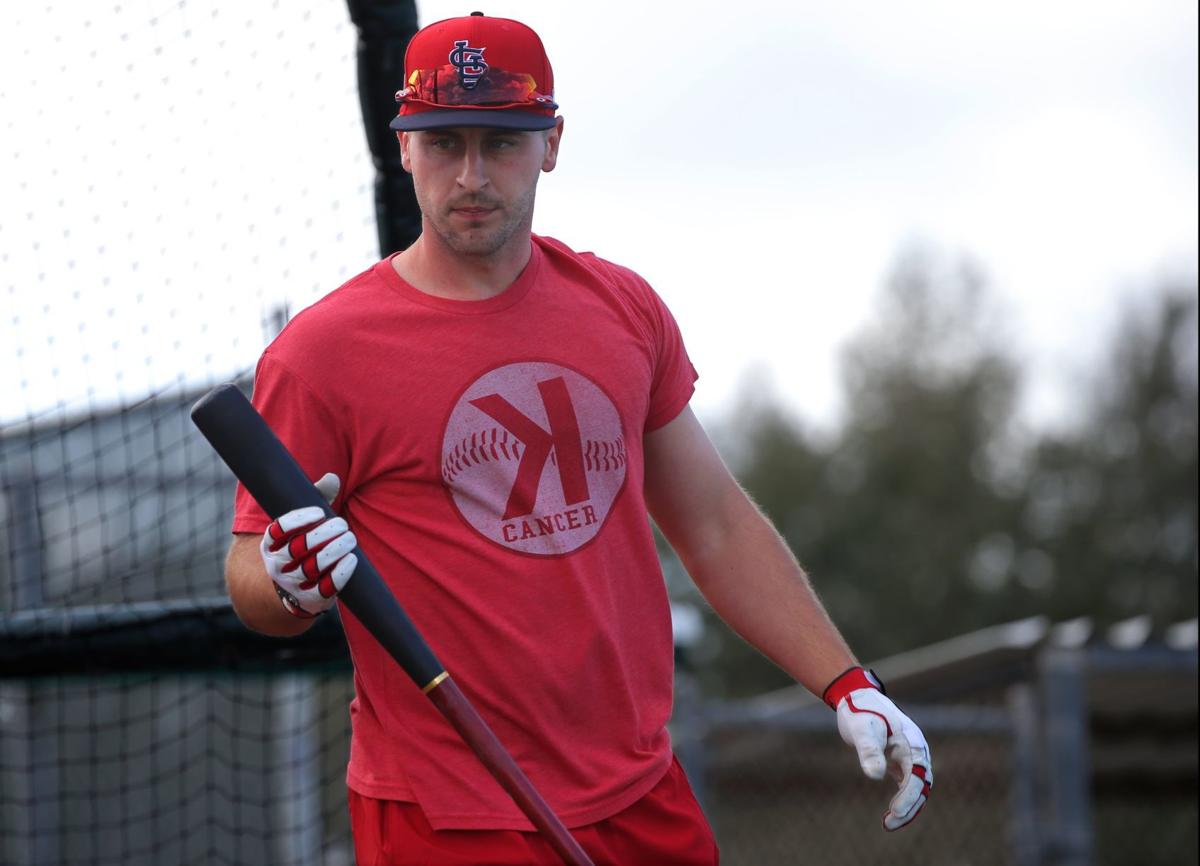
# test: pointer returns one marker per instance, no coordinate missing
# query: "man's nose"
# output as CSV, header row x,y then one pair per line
x,y
472,174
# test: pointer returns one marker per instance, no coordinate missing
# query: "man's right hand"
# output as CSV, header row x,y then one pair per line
x,y
308,555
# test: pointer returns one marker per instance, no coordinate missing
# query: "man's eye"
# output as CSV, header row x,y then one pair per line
x,y
503,143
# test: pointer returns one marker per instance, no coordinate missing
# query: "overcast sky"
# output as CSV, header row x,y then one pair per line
x,y
168,170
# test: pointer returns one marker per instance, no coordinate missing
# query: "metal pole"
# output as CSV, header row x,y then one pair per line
x,y
1026,832
1068,765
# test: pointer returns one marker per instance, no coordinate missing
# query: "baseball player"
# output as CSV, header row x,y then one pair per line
x,y
494,416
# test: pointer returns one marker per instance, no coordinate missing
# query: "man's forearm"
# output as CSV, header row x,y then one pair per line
x,y
752,580
253,593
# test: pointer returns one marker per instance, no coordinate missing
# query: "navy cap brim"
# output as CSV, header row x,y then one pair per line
x,y
467,117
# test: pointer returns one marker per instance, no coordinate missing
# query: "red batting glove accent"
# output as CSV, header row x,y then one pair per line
x,y
855,678
850,705
920,772
310,557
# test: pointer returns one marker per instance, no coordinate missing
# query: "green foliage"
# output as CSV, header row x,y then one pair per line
x,y
926,515
1114,503
922,523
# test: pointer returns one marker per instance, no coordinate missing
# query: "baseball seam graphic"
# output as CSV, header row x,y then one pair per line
x,y
495,444
603,456
492,444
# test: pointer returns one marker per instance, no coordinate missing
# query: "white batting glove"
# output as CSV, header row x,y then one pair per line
x,y
886,741
308,555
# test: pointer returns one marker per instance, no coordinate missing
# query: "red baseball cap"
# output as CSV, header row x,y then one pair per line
x,y
476,71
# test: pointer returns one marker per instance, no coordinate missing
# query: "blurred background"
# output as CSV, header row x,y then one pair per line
x,y
936,264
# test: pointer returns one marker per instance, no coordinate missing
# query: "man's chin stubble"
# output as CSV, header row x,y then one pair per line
x,y
476,243
476,247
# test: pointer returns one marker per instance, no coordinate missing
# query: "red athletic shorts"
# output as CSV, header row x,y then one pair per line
x,y
663,828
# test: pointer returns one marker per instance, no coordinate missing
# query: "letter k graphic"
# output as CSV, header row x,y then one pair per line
x,y
563,438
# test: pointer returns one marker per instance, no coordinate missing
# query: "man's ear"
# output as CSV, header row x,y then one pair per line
x,y
553,137
402,137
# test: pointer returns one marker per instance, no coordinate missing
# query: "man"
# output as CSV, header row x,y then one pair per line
x,y
497,415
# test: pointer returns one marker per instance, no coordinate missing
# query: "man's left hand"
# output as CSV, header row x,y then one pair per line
x,y
886,741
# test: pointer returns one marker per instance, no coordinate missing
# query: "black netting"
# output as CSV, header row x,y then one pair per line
x,y
175,768
175,178
117,506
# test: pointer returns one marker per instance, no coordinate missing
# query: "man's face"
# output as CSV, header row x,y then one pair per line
x,y
476,187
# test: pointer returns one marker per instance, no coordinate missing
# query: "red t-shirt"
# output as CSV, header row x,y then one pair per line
x,y
491,462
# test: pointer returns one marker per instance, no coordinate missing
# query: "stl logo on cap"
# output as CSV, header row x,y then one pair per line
x,y
469,62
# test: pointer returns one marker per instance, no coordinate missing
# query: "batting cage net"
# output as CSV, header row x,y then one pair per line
x,y
166,733
175,177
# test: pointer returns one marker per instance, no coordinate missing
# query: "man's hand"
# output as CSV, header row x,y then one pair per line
x,y
886,741
308,555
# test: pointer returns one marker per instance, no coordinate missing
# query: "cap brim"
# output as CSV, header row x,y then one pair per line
x,y
467,117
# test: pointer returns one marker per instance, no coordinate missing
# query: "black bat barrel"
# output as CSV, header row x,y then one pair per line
x,y
261,462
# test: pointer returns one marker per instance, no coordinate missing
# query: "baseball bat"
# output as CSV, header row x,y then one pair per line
x,y
269,472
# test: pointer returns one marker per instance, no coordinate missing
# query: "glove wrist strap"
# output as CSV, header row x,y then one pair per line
x,y
848,681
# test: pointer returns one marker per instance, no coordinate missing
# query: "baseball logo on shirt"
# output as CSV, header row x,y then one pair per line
x,y
533,456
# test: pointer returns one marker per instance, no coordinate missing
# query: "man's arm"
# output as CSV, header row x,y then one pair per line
x,y
253,593
736,557
751,579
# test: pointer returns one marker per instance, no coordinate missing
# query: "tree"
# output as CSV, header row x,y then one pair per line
x,y
1113,503
902,519
920,542
926,515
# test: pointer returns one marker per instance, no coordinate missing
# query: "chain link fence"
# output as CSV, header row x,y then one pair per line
x,y
248,767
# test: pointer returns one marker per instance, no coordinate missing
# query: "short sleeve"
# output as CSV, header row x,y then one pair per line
x,y
303,424
674,380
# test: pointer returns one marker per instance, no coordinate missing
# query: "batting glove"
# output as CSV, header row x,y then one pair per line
x,y
308,555
886,741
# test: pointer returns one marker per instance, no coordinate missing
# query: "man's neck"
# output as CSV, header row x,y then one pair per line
x,y
433,268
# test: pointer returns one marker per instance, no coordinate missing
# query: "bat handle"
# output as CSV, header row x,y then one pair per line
x,y
447,697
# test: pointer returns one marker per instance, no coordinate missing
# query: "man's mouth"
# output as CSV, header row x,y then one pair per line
x,y
473,210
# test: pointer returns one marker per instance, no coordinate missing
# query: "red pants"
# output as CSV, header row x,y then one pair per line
x,y
664,828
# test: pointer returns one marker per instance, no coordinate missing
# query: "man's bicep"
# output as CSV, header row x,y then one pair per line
x,y
688,487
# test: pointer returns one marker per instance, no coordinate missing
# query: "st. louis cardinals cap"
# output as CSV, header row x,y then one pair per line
x,y
476,71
